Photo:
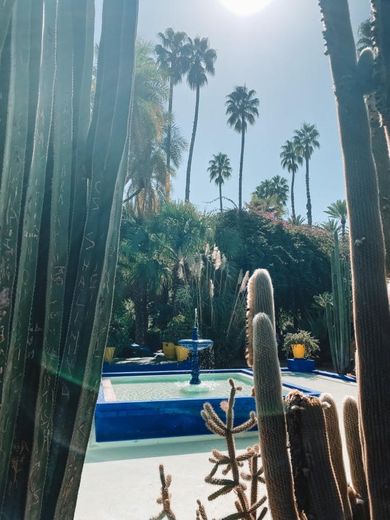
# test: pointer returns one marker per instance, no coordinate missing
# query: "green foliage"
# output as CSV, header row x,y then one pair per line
x,y
302,337
297,258
271,196
153,134
338,212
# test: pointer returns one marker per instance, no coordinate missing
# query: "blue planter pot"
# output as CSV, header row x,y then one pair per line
x,y
301,365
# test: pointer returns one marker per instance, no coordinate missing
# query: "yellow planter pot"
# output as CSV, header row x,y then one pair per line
x,y
169,350
109,354
298,351
182,353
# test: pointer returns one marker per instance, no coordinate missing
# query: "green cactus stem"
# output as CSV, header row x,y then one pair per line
x,y
271,421
57,281
315,482
371,306
336,451
354,447
260,299
165,499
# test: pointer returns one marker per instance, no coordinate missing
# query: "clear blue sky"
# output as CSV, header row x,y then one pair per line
x,y
279,52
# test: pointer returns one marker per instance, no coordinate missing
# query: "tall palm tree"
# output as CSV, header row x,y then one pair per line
x,y
220,170
306,140
201,63
242,108
338,211
291,161
173,62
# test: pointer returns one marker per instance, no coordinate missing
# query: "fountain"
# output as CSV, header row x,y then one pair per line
x,y
195,345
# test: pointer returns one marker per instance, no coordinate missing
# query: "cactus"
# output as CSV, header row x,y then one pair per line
x,y
370,300
336,451
338,312
58,240
271,420
354,447
260,299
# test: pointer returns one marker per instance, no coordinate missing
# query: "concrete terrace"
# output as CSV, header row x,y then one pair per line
x,y
120,480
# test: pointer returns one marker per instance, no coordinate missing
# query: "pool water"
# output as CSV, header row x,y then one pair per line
x,y
163,387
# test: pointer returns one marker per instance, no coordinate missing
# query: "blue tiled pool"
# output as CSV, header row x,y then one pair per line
x,y
146,406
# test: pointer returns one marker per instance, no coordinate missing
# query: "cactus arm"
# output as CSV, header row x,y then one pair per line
x,y
17,341
86,408
324,494
271,421
381,154
57,259
336,451
13,166
371,307
115,75
5,17
83,21
354,448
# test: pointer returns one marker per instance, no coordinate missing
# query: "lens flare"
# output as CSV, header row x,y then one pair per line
x,y
245,7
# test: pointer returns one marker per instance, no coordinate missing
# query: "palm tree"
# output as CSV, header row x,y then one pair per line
x,y
173,62
275,187
220,170
291,161
201,62
305,140
365,35
338,211
332,226
298,220
242,108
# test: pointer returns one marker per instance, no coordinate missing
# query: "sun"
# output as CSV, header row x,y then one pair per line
x,y
245,7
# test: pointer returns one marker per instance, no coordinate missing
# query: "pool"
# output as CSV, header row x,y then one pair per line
x,y
148,406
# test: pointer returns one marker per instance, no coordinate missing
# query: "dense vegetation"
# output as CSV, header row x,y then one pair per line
x,y
178,259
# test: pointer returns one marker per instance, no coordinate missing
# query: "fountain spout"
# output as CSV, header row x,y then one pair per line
x,y
195,345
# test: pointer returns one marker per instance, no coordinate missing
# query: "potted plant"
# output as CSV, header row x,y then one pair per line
x,y
303,347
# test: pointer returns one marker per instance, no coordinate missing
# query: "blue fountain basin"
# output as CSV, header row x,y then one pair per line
x,y
133,406
199,344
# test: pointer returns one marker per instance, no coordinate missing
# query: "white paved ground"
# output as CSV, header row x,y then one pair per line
x,y
120,481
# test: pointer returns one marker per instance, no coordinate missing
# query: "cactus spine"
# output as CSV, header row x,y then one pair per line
x,y
56,278
338,312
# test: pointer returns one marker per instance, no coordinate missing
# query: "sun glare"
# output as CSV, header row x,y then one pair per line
x,y
245,7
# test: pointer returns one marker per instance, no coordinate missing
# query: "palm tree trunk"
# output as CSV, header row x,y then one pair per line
x,y
189,164
308,203
169,138
241,168
220,197
292,197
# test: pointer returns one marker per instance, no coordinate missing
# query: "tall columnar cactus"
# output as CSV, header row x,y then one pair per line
x,y
370,301
338,312
61,188
260,299
271,420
